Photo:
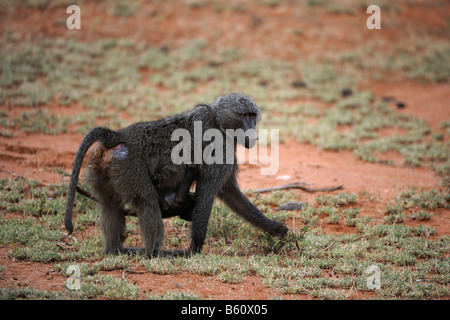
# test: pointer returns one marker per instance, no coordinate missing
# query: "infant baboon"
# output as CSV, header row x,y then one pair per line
x,y
179,203
149,149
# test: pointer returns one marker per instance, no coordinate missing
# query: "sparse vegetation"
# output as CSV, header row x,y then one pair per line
x,y
52,84
235,250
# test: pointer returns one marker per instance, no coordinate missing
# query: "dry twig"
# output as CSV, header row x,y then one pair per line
x,y
300,185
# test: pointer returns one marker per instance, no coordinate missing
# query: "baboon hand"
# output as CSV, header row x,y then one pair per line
x,y
280,229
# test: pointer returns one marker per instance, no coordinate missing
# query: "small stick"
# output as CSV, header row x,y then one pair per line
x,y
129,271
300,185
86,193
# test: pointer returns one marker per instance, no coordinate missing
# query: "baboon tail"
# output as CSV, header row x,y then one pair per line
x,y
108,138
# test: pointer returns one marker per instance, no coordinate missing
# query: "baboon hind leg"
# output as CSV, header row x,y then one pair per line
x,y
112,222
151,226
146,205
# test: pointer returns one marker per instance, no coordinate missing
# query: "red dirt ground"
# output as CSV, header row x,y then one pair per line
x,y
266,31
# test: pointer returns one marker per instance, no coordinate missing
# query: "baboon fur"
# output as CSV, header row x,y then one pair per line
x,y
150,146
179,203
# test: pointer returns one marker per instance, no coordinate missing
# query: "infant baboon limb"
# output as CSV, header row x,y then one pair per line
x,y
183,191
163,176
101,156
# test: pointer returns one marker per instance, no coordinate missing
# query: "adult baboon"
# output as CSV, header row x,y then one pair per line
x,y
150,146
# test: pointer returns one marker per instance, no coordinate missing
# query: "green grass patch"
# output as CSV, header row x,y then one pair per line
x,y
309,261
113,77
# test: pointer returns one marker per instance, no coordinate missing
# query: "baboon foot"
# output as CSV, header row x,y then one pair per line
x,y
186,253
133,251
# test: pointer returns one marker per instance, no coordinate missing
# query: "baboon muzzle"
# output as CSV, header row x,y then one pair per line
x,y
250,138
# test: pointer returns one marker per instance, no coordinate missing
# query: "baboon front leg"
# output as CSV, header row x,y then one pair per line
x,y
238,202
204,199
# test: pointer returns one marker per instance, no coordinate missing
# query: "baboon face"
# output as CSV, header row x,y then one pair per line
x,y
248,125
237,111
